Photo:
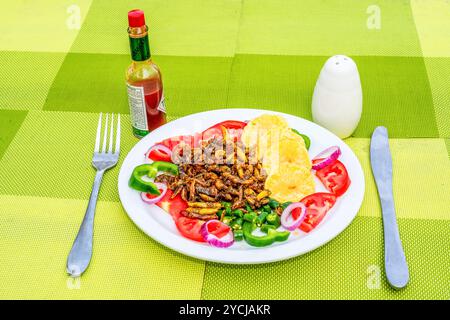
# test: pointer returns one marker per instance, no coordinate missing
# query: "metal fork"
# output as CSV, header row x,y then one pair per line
x,y
81,252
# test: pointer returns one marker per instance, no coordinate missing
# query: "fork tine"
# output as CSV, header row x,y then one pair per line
x,y
105,134
111,132
117,149
97,138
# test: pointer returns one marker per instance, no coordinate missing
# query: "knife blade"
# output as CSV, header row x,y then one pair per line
x,y
395,263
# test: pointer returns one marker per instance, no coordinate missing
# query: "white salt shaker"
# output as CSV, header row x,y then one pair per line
x,y
337,98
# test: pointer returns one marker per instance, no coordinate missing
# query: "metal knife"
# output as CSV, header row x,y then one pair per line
x,y
394,257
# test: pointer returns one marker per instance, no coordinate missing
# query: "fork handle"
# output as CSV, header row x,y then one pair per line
x,y
81,252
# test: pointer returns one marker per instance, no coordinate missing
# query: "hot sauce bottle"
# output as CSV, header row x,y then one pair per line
x,y
144,82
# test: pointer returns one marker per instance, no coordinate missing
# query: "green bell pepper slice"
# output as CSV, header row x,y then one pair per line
x,y
262,241
305,138
150,170
265,227
138,183
163,166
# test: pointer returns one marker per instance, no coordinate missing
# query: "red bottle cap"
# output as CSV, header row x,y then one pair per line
x,y
136,18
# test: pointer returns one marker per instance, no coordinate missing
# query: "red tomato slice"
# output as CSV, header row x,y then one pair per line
x,y
218,229
334,177
231,129
159,155
317,206
235,134
231,134
173,206
174,141
231,124
190,228
169,142
213,132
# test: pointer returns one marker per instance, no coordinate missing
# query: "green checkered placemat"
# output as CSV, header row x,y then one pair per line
x,y
63,62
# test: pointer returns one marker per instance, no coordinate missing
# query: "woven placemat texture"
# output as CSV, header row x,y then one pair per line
x,y
63,62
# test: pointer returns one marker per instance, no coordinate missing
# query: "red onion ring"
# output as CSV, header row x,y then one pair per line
x,y
224,242
293,224
148,200
158,147
326,157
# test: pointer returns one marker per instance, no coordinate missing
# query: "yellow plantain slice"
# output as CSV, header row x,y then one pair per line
x,y
290,183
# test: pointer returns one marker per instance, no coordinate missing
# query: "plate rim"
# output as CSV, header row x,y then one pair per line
x,y
271,254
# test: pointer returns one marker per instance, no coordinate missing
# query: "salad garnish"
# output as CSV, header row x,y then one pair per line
x,y
215,184
137,180
288,221
222,240
151,198
326,157
159,152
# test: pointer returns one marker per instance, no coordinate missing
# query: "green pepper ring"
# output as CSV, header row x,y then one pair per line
x,y
150,170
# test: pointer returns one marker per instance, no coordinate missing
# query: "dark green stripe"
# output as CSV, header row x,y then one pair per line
x,y
96,82
10,122
396,92
395,89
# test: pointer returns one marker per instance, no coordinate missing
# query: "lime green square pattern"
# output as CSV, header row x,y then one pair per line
x,y
433,26
90,83
177,27
396,92
96,82
26,78
282,83
41,25
37,234
439,76
59,145
194,84
10,122
328,27
349,266
431,200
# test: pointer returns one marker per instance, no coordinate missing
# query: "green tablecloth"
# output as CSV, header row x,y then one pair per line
x,y
63,62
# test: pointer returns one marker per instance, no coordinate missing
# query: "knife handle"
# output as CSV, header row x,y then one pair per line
x,y
394,256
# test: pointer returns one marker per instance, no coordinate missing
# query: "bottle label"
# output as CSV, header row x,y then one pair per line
x,y
136,101
162,104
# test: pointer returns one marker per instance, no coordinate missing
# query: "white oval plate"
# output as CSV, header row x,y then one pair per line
x,y
159,225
